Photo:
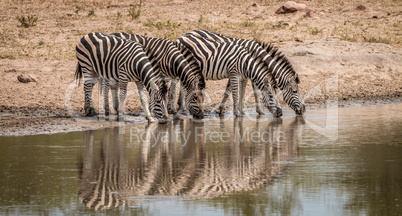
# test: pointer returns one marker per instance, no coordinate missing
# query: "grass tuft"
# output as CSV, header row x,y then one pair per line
x,y
28,21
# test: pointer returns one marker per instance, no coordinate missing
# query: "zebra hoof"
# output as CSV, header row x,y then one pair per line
x,y
120,118
260,112
237,114
151,119
176,116
221,112
90,112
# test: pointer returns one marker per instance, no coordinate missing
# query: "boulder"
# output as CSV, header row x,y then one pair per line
x,y
291,7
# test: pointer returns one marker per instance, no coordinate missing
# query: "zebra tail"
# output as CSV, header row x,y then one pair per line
x,y
78,74
100,84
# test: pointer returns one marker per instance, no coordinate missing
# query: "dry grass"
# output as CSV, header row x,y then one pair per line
x,y
60,24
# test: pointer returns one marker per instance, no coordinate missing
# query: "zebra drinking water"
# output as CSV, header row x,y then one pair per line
x,y
164,54
118,60
285,76
224,60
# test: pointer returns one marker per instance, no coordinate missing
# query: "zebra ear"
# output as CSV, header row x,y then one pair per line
x,y
297,79
154,86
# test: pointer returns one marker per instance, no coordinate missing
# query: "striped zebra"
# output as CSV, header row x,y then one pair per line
x,y
173,65
224,60
118,61
285,76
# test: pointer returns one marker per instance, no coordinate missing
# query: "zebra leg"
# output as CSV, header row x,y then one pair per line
x,y
225,97
105,89
114,88
123,94
258,107
88,87
182,100
144,102
242,93
235,80
172,96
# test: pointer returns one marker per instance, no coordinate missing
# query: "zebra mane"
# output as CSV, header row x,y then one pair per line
x,y
279,57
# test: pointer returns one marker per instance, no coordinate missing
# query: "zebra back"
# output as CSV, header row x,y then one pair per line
x,y
212,57
277,63
251,46
170,60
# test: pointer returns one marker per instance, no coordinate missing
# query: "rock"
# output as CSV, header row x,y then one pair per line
x,y
11,71
26,78
297,15
363,8
255,5
311,14
291,7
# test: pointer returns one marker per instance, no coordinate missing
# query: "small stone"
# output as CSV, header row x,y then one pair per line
x,y
255,5
26,78
363,8
311,14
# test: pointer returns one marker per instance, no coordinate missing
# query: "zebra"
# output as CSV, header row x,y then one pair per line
x,y
118,61
285,76
173,65
224,60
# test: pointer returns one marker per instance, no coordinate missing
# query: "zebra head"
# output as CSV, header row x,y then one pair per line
x,y
195,99
158,102
285,76
292,96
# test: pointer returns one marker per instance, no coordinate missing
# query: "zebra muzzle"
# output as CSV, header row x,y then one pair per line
x,y
164,119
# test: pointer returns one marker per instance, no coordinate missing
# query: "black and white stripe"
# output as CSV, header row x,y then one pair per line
x,y
164,54
285,76
225,60
121,61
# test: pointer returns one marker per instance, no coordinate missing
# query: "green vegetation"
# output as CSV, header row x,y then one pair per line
x,y
316,31
164,25
201,19
91,13
135,11
41,42
77,9
248,23
28,21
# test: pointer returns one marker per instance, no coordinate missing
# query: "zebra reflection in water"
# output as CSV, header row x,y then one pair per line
x,y
185,159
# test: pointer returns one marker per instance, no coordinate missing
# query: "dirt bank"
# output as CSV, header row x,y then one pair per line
x,y
351,73
333,53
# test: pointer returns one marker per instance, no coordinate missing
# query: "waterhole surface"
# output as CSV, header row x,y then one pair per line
x,y
345,161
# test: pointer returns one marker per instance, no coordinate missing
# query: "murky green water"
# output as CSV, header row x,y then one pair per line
x,y
333,162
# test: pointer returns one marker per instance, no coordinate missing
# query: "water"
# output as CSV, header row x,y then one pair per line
x,y
348,164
